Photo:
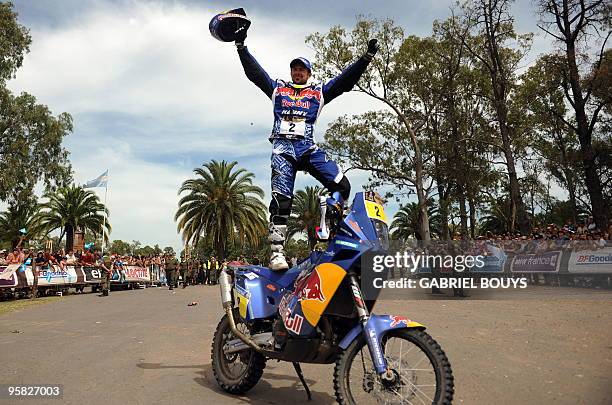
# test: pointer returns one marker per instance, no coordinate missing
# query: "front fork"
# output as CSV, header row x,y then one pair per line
x,y
376,352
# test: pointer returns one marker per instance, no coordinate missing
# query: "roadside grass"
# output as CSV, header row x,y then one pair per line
x,y
19,304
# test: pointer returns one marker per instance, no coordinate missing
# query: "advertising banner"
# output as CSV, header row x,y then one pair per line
x,y
92,274
132,274
545,262
591,262
8,276
493,258
54,275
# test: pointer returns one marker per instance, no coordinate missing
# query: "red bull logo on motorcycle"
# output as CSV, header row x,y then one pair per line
x,y
311,288
293,323
396,320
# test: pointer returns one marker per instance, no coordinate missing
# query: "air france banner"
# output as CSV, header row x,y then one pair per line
x,y
544,262
594,261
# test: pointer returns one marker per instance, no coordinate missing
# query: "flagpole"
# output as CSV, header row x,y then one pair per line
x,y
104,223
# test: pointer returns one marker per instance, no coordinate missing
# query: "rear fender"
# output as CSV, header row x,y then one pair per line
x,y
381,324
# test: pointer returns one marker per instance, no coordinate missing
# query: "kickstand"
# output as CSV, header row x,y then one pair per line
x,y
298,370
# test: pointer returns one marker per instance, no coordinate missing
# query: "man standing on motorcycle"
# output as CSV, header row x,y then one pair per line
x,y
296,106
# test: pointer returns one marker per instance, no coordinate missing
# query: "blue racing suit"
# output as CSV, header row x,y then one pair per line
x,y
296,109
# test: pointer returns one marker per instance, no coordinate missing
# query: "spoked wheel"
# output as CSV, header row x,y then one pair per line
x,y
237,372
421,373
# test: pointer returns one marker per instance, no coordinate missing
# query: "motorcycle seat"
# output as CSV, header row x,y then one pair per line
x,y
284,278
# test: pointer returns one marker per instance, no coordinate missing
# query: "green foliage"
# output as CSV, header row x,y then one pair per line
x,y
119,247
16,218
405,224
169,251
30,136
298,248
305,214
15,41
73,208
221,205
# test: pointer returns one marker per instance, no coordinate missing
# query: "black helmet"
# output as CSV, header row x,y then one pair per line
x,y
227,25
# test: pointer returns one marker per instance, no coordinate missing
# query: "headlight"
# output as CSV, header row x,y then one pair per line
x,y
382,232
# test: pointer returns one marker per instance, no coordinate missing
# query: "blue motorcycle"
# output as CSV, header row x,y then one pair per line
x,y
316,313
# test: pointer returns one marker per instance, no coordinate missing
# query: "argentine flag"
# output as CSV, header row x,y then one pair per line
x,y
99,181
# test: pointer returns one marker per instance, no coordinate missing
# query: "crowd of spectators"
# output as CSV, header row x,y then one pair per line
x,y
585,236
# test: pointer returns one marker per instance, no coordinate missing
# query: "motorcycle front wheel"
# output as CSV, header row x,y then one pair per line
x,y
235,373
421,372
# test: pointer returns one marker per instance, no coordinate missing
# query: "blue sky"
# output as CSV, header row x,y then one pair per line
x,y
153,95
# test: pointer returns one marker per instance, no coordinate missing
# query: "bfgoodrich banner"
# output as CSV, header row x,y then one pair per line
x,y
594,261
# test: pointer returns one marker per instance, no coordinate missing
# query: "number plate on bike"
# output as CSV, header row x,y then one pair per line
x,y
376,211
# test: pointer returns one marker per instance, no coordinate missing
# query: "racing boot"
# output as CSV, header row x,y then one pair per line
x,y
276,237
336,203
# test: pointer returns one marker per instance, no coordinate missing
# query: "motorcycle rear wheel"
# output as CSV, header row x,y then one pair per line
x,y
235,373
356,381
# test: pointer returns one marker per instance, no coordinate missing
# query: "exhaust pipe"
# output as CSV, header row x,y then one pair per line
x,y
226,300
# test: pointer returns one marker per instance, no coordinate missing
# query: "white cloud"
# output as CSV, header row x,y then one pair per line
x,y
142,197
151,91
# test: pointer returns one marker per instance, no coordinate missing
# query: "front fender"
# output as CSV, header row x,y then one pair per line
x,y
381,324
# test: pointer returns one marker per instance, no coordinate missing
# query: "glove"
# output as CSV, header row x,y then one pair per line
x,y
241,34
372,46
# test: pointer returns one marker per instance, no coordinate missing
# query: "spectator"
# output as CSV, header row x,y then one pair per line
x,y
71,259
3,261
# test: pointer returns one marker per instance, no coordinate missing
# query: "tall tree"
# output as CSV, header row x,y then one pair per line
x,y
221,205
398,159
71,209
488,30
30,136
543,108
305,214
579,27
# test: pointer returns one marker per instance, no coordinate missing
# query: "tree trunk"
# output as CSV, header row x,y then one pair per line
x,y
443,202
492,13
418,170
463,217
584,131
515,191
472,206
567,174
591,178
69,230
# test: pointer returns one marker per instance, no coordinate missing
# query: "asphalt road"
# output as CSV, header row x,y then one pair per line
x,y
148,346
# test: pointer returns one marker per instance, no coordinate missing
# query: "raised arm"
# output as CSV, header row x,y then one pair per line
x,y
254,71
350,76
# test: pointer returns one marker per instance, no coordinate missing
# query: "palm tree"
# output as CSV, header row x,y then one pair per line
x,y
15,219
497,217
222,205
305,214
405,224
73,208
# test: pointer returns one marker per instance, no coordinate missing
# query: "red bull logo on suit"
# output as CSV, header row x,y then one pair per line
x,y
310,288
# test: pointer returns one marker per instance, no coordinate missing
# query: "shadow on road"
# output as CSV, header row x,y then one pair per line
x,y
263,392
